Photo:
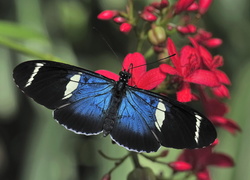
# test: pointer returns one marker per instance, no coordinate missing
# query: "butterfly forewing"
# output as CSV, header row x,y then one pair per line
x,y
79,97
87,103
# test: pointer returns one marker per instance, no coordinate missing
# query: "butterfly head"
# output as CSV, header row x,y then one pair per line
x,y
124,76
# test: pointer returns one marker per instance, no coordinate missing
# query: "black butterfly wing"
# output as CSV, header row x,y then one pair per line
x,y
78,96
147,120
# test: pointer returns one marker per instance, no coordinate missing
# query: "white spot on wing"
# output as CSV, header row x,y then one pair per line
x,y
160,114
72,85
197,126
38,66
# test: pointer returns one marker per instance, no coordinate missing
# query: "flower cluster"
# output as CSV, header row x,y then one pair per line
x,y
192,73
198,161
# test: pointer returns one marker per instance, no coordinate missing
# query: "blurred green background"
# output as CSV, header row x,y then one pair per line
x,y
34,147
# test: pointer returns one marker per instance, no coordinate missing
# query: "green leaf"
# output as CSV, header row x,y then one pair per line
x,y
16,31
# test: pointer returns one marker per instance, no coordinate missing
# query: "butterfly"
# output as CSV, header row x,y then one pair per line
x,y
89,103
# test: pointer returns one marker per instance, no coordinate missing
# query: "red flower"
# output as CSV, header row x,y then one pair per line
x,y
201,158
140,77
125,27
187,69
107,14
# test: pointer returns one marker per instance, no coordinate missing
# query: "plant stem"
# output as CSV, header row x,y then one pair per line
x,y
135,159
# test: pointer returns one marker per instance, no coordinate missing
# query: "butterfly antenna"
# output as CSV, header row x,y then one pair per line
x,y
105,40
155,61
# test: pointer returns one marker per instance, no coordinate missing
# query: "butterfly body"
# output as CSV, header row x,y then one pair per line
x,y
88,103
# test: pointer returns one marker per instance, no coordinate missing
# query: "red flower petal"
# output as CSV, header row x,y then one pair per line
x,y
184,94
190,59
203,77
206,57
232,126
172,50
225,123
218,120
221,91
108,74
151,79
194,42
223,78
168,69
180,166
221,160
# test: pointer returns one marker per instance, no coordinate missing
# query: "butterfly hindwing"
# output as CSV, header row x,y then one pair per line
x,y
78,96
156,120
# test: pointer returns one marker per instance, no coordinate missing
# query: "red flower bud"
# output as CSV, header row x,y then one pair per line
x,y
119,20
107,14
182,5
147,16
164,3
125,27
160,5
180,166
164,153
149,9
190,28
193,7
204,5
212,43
